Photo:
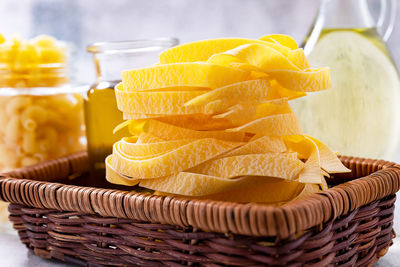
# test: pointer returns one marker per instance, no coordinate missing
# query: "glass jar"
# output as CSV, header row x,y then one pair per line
x,y
360,114
41,116
39,124
101,112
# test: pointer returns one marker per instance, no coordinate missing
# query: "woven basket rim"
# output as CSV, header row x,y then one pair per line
x,y
209,215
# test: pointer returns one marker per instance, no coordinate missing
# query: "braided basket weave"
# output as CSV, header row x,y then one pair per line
x,y
349,224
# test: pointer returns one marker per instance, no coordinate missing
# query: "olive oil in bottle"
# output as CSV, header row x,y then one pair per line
x,y
360,114
101,112
103,116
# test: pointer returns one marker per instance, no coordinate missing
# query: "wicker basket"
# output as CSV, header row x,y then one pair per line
x,y
348,225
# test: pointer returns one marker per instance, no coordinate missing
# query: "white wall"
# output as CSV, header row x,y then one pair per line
x,y
84,21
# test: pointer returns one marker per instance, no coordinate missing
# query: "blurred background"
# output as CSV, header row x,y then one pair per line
x,y
84,22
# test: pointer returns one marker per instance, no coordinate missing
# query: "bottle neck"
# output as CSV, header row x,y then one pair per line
x,y
344,14
339,14
111,58
108,67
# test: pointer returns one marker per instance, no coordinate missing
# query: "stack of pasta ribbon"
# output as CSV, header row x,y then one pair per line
x,y
212,120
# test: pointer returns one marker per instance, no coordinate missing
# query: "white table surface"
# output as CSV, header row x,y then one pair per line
x,y
15,254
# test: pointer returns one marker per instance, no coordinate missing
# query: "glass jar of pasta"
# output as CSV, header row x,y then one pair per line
x,y
41,116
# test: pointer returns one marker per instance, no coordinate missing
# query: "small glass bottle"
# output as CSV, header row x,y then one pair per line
x,y
360,114
101,113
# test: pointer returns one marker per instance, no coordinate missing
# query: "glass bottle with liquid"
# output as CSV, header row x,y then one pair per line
x,y
101,112
360,114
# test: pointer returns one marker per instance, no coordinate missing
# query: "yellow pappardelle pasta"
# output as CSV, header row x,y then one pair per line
x,y
212,120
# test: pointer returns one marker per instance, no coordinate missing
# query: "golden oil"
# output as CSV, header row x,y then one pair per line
x,y
360,114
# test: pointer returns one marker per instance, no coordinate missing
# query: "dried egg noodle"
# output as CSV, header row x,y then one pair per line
x,y
212,120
